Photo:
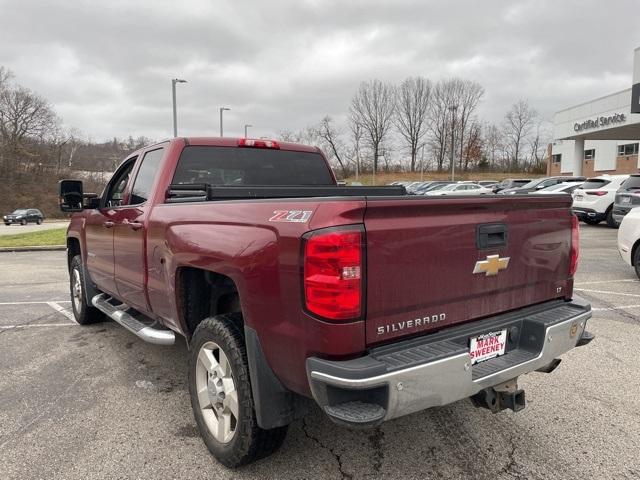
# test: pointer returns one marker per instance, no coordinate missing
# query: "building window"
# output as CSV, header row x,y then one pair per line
x,y
628,149
557,158
589,154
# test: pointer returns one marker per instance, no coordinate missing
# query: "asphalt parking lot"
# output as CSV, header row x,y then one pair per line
x,y
96,402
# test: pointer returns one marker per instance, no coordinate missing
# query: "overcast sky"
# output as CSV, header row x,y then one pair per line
x,y
107,66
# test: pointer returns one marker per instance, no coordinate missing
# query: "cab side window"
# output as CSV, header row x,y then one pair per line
x,y
146,174
116,188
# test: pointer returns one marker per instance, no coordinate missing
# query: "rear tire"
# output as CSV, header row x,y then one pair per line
x,y
39,221
611,222
221,397
636,261
82,312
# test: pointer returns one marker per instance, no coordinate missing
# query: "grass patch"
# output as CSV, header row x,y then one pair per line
x,y
54,236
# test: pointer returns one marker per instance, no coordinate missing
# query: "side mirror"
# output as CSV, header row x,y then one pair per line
x,y
71,195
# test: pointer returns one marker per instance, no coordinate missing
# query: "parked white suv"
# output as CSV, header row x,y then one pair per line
x,y
593,200
629,239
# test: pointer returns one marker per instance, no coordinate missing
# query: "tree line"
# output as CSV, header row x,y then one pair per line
x,y
418,124
36,150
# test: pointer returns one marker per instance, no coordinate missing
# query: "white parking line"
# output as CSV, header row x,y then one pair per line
x,y
62,310
9,327
608,292
35,303
605,281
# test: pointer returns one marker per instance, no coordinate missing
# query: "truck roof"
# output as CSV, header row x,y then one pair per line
x,y
233,142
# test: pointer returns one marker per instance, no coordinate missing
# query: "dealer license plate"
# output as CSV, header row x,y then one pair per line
x,y
488,345
579,197
625,200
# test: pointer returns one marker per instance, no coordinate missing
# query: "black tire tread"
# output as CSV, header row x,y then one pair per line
x,y
636,261
611,222
88,314
251,442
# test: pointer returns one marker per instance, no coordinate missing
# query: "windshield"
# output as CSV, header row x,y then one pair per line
x,y
631,183
532,183
439,186
558,186
449,187
19,212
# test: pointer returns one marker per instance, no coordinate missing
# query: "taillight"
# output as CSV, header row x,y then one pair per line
x,y
575,246
253,143
333,273
597,192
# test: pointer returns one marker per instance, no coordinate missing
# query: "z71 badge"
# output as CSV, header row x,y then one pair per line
x,y
294,216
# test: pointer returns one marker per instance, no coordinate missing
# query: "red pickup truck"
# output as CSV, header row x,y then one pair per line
x,y
290,288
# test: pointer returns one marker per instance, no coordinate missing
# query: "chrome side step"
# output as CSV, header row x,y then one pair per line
x,y
145,332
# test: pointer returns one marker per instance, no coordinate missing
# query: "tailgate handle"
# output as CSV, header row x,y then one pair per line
x,y
491,235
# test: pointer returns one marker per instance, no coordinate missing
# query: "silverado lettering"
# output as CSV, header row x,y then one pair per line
x,y
418,322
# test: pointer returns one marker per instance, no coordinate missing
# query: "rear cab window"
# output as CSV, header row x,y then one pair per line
x,y
234,166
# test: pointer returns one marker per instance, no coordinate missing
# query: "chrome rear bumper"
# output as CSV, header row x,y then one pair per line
x,y
438,371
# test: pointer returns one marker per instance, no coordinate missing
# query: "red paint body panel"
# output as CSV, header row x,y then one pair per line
x,y
422,253
419,257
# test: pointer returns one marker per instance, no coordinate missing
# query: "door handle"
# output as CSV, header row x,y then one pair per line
x,y
108,224
134,225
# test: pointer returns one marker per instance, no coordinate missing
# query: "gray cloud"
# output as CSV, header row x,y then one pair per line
x,y
106,66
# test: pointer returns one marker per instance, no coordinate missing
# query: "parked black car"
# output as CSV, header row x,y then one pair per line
x,y
540,183
627,197
510,183
24,216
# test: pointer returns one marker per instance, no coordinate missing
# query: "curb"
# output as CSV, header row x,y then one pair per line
x,y
34,248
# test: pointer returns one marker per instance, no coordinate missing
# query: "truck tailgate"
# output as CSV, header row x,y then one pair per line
x,y
422,255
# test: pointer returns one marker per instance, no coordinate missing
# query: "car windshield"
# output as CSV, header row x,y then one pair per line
x,y
558,186
449,187
532,183
439,186
19,212
631,183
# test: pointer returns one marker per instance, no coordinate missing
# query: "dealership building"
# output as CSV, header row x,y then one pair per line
x,y
600,136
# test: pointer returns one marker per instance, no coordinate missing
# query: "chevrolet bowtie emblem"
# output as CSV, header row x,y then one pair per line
x,y
492,265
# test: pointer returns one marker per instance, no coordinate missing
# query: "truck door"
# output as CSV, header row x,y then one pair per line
x,y
99,229
130,233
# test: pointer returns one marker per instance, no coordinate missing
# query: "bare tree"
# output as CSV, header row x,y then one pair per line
x,y
23,115
356,136
492,139
472,152
467,95
373,108
414,95
518,124
440,121
330,135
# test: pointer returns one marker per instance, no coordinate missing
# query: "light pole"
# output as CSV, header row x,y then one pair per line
x,y
453,109
173,94
245,129
222,109
422,164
